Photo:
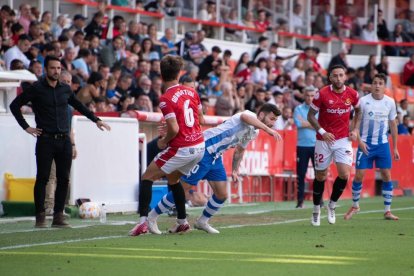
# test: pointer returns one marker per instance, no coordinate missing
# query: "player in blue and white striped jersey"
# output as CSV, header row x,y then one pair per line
x,y
236,132
378,114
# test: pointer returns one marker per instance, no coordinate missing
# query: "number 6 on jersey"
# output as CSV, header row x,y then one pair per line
x,y
188,114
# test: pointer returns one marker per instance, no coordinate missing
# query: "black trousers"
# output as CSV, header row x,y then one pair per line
x,y
47,150
303,156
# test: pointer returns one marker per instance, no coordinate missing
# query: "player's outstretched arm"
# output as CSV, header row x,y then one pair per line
x,y
237,158
172,131
394,135
253,121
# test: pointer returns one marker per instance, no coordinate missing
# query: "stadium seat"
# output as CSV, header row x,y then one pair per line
x,y
395,79
389,92
399,93
410,94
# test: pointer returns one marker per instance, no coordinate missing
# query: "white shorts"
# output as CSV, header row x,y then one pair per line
x,y
180,159
341,151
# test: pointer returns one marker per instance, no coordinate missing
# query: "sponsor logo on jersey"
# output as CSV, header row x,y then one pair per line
x,y
339,111
163,104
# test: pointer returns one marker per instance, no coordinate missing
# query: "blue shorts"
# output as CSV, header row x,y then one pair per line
x,y
381,154
206,169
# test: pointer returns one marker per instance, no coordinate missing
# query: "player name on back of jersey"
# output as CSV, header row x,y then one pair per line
x,y
180,93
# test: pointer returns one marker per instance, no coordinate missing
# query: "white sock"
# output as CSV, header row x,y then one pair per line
x,y
316,208
387,208
142,219
332,204
153,215
182,221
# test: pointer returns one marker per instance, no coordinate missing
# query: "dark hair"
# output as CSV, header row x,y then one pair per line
x,y
16,27
16,64
33,62
49,59
260,61
275,45
267,108
78,33
48,48
24,37
337,66
117,18
94,77
381,76
263,38
63,38
185,78
227,53
251,63
170,67
84,53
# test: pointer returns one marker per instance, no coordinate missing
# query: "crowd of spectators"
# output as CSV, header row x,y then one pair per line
x,y
115,64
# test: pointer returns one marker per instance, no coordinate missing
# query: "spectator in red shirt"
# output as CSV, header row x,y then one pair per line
x,y
245,76
261,23
408,73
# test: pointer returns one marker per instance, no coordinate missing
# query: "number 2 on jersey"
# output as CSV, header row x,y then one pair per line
x,y
188,114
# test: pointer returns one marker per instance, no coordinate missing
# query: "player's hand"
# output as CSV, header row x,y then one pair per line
x,y
101,125
162,129
275,135
353,135
34,131
363,147
235,176
396,155
329,138
161,144
74,152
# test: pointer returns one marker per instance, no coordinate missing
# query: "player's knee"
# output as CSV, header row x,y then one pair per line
x,y
320,175
359,176
344,175
386,175
221,195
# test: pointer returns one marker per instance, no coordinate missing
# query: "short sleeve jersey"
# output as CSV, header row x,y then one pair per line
x,y
376,115
183,103
334,110
230,133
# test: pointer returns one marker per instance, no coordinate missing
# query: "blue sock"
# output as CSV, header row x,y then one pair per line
x,y
165,204
213,206
356,193
387,194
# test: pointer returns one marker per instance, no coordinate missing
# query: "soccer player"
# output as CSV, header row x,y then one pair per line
x,y
378,110
183,146
236,132
333,102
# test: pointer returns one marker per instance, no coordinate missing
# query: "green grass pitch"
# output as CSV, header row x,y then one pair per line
x,y
255,239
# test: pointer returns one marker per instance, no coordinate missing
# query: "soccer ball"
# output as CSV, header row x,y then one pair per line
x,y
89,210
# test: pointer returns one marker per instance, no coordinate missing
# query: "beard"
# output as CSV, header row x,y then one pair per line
x,y
338,86
53,77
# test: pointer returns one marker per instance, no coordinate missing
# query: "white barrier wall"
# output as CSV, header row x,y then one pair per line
x,y
17,150
106,169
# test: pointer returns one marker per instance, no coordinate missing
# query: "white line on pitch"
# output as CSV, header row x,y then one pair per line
x,y
223,227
